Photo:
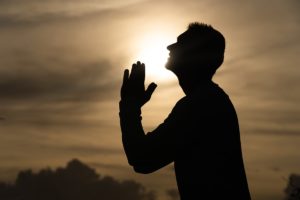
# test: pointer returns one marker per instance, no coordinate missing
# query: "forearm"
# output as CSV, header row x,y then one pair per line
x,y
133,135
146,153
137,146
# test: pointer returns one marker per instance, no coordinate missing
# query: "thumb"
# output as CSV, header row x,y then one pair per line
x,y
149,91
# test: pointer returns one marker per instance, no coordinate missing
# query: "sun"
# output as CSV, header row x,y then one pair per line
x,y
153,52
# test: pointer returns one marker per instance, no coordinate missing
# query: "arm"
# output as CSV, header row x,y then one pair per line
x,y
142,151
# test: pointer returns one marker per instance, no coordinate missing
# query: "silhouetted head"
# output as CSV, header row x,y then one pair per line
x,y
198,52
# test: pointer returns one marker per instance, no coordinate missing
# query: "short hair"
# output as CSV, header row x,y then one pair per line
x,y
207,39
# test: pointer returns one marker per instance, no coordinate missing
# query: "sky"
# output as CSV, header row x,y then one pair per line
x,y
61,65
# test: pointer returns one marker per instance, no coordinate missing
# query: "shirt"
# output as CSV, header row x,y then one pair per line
x,y
201,136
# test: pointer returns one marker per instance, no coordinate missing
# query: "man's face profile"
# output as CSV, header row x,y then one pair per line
x,y
176,54
183,52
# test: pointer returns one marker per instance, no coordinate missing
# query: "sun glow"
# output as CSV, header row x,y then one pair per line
x,y
153,52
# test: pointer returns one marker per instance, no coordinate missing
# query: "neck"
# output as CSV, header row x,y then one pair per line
x,y
189,85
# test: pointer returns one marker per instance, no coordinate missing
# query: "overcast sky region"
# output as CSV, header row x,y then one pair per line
x,y
61,65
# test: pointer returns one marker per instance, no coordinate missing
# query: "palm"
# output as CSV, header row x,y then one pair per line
x,y
133,88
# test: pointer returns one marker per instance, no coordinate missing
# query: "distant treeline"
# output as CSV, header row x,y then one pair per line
x,y
292,190
76,181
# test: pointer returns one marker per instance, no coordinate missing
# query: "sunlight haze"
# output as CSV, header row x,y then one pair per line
x,y
154,54
61,68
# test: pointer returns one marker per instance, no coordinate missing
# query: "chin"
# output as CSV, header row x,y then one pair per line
x,y
169,65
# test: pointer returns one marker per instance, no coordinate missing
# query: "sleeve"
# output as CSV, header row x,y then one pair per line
x,y
154,150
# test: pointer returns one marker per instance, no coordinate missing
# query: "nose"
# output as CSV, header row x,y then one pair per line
x,y
171,46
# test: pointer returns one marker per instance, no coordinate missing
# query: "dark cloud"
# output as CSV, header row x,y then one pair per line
x,y
92,150
55,92
76,181
32,13
276,169
272,131
173,194
108,166
12,20
71,82
292,191
42,95
259,66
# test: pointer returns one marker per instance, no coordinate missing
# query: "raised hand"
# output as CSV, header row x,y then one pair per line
x,y
133,87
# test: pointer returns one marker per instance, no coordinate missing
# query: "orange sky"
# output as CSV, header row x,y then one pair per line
x,y
61,67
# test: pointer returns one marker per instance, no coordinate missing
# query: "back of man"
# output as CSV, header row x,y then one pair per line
x,y
208,162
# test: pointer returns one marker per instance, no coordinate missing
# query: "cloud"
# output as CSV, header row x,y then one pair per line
x,y
72,81
173,194
61,67
32,12
92,150
69,96
259,71
292,191
108,166
77,181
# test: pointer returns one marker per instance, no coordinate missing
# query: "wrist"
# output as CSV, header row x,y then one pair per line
x,y
128,107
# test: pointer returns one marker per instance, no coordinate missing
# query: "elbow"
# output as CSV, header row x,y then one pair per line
x,y
143,170
142,163
147,166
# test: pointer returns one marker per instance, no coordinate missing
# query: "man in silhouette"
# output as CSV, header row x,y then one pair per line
x,y
201,134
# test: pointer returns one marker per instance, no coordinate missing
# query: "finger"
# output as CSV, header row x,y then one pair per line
x,y
138,74
142,72
150,90
125,83
133,71
125,76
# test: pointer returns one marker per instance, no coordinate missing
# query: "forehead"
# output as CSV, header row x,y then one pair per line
x,y
189,37
182,37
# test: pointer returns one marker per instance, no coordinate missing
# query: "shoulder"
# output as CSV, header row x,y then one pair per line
x,y
212,101
180,107
211,95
